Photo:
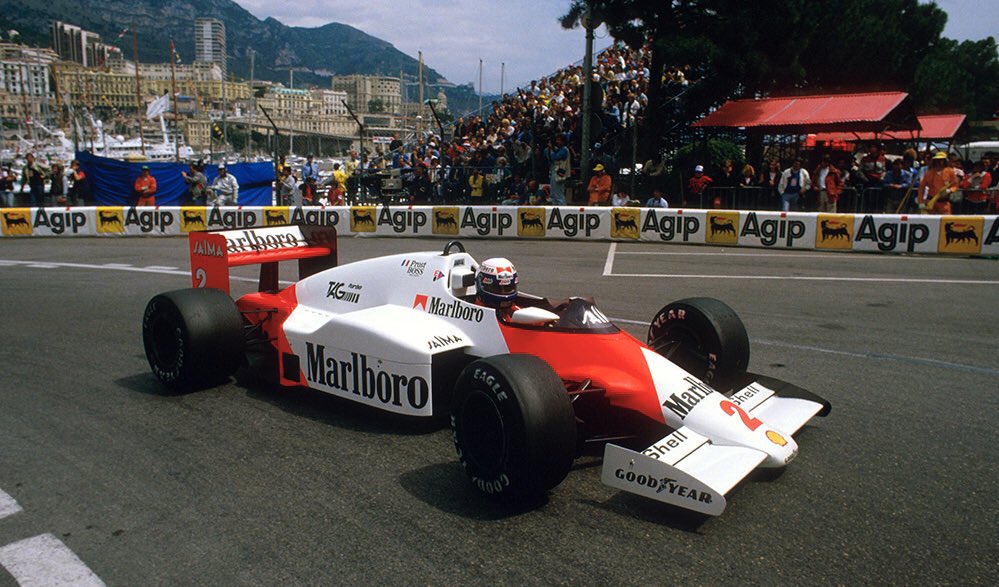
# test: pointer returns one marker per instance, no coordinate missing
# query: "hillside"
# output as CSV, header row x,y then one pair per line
x,y
315,53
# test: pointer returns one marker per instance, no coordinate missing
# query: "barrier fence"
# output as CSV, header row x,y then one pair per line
x,y
887,233
871,200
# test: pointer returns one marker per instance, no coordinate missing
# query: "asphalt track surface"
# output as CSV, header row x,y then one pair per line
x,y
246,484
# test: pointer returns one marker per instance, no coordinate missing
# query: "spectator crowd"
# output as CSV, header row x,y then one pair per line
x,y
873,182
525,149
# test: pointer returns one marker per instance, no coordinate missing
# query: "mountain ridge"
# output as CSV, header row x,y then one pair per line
x,y
333,48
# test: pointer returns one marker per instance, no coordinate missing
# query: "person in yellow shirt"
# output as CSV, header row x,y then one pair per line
x,y
938,183
475,182
339,186
599,187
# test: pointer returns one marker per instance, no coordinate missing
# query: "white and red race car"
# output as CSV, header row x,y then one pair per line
x,y
679,418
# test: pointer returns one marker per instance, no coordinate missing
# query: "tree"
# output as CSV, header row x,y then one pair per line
x,y
376,105
746,48
959,78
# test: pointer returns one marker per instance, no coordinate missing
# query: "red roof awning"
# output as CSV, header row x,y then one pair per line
x,y
872,112
935,127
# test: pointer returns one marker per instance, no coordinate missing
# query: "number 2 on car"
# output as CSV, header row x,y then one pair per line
x,y
730,409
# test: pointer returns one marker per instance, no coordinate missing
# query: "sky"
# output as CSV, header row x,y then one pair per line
x,y
525,35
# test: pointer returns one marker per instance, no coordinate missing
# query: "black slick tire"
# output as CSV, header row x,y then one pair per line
x,y
192,337
705,337
513,426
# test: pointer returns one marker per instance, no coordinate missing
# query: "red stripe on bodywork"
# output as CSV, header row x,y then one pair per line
x,y
611,361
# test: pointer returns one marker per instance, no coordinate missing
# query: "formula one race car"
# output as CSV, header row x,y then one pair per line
x,y
679,418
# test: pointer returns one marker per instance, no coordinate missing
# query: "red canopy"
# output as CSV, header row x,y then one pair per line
x,y
935,127
872,112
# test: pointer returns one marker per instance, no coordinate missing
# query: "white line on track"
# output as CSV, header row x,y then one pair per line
x,y
788,254
856,354
607,267
8,505
808,278
45,561
609,263
872,355
119,267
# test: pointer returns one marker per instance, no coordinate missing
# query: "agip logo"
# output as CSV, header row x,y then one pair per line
x,y
961,234
110,220
723,228
362,218
624,222
834,231
445,220
192,218
17,221
531,222
275,215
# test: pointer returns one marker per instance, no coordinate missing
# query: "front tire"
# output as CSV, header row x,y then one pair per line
x,y
705,337
192,337
513,426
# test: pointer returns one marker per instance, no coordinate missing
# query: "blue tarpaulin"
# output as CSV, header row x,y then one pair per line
x,y
111,181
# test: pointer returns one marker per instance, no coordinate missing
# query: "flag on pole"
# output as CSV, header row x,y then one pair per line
x,y
158,106
120,36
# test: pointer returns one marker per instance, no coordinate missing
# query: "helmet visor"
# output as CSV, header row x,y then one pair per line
x,y
503,289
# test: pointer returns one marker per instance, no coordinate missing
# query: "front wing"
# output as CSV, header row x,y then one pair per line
x,y
691,470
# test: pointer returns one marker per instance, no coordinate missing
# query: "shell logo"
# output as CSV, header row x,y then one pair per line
x,y
776,438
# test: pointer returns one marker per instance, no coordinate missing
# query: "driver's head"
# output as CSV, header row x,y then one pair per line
x,y
496,282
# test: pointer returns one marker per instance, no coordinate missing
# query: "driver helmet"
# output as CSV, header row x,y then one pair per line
x,y
496,282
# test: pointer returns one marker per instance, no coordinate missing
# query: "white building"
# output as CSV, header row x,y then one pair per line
x,y
367,93
25,90
209,42
78,45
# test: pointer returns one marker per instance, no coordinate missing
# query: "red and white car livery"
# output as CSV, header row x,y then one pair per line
x,y
678,417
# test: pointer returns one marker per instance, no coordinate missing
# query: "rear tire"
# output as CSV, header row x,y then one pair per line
x,y
705,337
513,425
192,337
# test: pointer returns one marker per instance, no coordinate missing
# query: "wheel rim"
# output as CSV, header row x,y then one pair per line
x,y
165,342
482,434
683,347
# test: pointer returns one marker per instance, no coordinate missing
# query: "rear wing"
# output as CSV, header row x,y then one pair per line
x,y
213,253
